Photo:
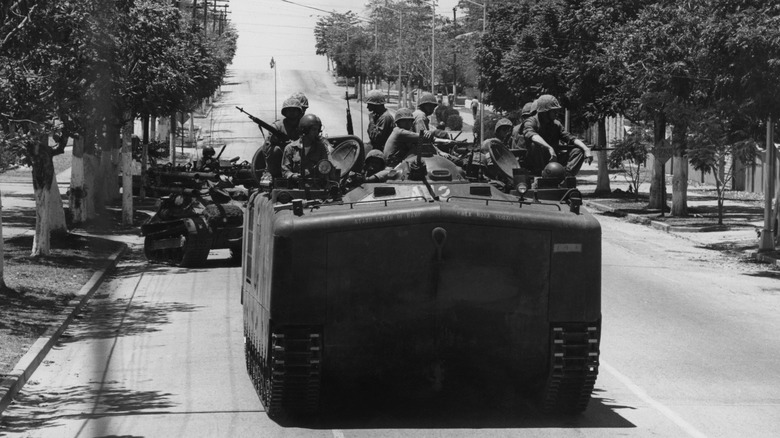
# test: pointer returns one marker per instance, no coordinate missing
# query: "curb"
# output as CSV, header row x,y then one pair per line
x,y
763,258
15,380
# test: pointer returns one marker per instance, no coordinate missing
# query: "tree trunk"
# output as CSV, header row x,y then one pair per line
x,y
109,185
56,211
680,177
657,198
2,249
602,180
127,172
77,198
39,154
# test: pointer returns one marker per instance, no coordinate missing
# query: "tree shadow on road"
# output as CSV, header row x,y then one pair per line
x,y
39,408
107,318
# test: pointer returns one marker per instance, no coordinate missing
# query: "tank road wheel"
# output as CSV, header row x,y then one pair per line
x,y
573,367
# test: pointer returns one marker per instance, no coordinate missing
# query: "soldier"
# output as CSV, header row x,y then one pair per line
x,y
503,131
544,134
375,168
302,155
274,146
381,123
207,161
402,140
518,140
302,99
425,108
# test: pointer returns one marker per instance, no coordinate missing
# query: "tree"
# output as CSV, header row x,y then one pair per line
x,y
659,57
718,138
27,106
630,155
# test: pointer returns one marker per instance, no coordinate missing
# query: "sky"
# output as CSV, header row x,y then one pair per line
x,y
284,31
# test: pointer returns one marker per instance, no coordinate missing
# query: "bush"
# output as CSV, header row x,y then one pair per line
x,y
455,122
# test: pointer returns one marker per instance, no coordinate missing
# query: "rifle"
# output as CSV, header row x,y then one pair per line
x,y
262,124
350,130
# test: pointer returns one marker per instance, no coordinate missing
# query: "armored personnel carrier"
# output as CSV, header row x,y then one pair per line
x,y
428,275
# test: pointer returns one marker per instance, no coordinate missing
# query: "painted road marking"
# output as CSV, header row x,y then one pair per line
x,y
660,407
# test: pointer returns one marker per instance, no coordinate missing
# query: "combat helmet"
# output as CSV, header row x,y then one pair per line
x,y
308,122
375,97
376,155
554,169
290,103
427,98
503,122
547,102
301,99
403,113
207,151
529,109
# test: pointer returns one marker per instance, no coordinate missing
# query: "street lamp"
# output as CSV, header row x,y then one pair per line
x,y
400,34
481,93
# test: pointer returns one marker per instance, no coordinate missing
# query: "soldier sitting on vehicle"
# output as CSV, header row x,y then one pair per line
x,y
301,156
425,108
545,135
381,122
207,161
402,140
503,131
274,146
518,139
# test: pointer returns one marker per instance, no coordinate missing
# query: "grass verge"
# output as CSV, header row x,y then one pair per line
x,y
40,287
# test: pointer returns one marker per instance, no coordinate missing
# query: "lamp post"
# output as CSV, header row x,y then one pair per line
x,y
481,93
400,34
433,41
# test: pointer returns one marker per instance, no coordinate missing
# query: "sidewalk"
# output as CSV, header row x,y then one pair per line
x,y
743,237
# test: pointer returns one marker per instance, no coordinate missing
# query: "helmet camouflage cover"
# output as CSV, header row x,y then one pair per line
x,y
546,103
375,97
403,113
503,122
304,102
427,98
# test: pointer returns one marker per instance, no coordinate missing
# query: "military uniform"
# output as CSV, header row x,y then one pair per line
x,y
553,133
379,129
295,160
399,145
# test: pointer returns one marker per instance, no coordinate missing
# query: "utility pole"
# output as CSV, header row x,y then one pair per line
x,y
454,59
767,242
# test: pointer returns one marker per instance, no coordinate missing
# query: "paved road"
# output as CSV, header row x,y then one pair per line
x,y
688,350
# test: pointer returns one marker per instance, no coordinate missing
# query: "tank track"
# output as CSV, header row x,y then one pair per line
x,y
289,381
574,365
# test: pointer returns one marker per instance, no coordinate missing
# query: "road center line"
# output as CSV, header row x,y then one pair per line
x,y
338,434
660,407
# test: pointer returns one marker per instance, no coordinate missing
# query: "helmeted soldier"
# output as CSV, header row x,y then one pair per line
x,y
273,147
518,140
207,161
302,155
381,122
425,108
503,132
546,136
402,140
